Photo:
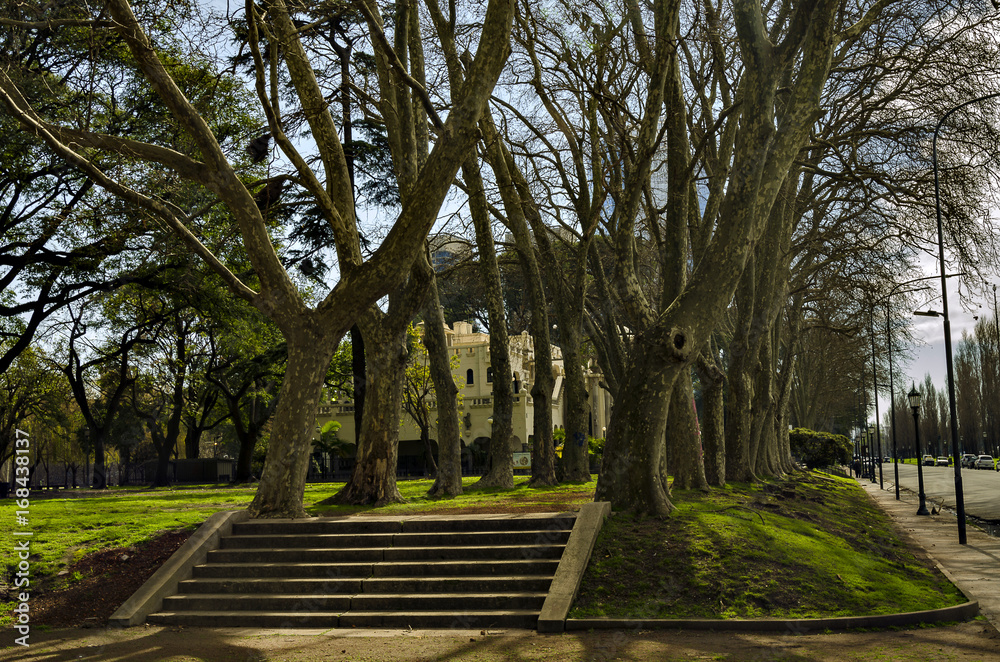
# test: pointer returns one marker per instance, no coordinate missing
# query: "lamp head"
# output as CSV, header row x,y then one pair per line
x,y
914,397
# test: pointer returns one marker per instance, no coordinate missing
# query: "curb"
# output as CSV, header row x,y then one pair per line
x,y
149,597
569,575
963,612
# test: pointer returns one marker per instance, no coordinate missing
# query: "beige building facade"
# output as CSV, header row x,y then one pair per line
x,y
474,375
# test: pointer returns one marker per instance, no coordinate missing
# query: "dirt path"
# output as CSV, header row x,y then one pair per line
x,y
977,640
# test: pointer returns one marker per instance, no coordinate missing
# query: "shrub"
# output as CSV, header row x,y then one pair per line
x,y
819,449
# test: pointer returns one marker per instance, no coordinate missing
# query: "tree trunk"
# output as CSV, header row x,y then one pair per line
x,y
713,430
543,457
631,476
163,449
283,480
100,469
739,468
686,453
192,442
449,473
575,464
373,479
430,466
244,461
501,461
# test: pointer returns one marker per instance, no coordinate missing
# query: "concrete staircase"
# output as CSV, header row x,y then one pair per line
x,y
470,571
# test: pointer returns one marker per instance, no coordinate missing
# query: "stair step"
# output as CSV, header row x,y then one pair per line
x,y
368,540
456,584
481,538
483,568
274,570
454,602
257,602
300,555
322,525
513,618
509,618
253,619
416,524
474,552
374,555
309,540
458,602
288,585
529,522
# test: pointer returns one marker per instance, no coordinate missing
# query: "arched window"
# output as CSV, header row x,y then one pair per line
x,y
489,375
469,377
517,386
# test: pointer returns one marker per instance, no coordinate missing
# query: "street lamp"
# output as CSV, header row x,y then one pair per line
x,y
914,397
959,496
952,409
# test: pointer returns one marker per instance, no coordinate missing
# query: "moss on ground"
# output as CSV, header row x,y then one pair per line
x,y
813,545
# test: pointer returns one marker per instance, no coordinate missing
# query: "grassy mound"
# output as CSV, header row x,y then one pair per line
x,y
810,546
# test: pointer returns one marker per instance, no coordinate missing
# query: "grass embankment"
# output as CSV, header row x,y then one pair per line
x,y
813,546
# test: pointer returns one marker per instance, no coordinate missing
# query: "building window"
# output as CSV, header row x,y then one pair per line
x,y
469,377
517,386
489,375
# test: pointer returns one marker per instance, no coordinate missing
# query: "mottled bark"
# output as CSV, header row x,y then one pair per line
x,y
631,475
500,472
373,479
449,440
283,479
713,431
576,410
684,442
739,465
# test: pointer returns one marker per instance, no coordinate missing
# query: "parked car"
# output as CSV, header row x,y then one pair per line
x,y
984,462
968,460
943,461
887,459
927,460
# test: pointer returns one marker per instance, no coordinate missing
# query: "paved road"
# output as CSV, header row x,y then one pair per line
x,y
980,487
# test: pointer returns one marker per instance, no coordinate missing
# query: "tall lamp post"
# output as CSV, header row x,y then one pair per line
x,y
959,495
914,397
877,454
874,429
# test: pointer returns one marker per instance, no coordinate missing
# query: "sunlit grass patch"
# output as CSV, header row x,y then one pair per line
x,y
811,546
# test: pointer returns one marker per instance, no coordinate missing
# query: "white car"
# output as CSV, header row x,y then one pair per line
x,y
943,461
984,462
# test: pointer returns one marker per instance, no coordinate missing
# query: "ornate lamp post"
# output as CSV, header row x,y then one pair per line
x,y
914,397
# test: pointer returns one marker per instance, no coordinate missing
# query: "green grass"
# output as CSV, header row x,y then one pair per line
x,y
67,528
811,547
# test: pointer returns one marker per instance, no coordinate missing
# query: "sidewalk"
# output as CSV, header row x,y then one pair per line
x,y
974,567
